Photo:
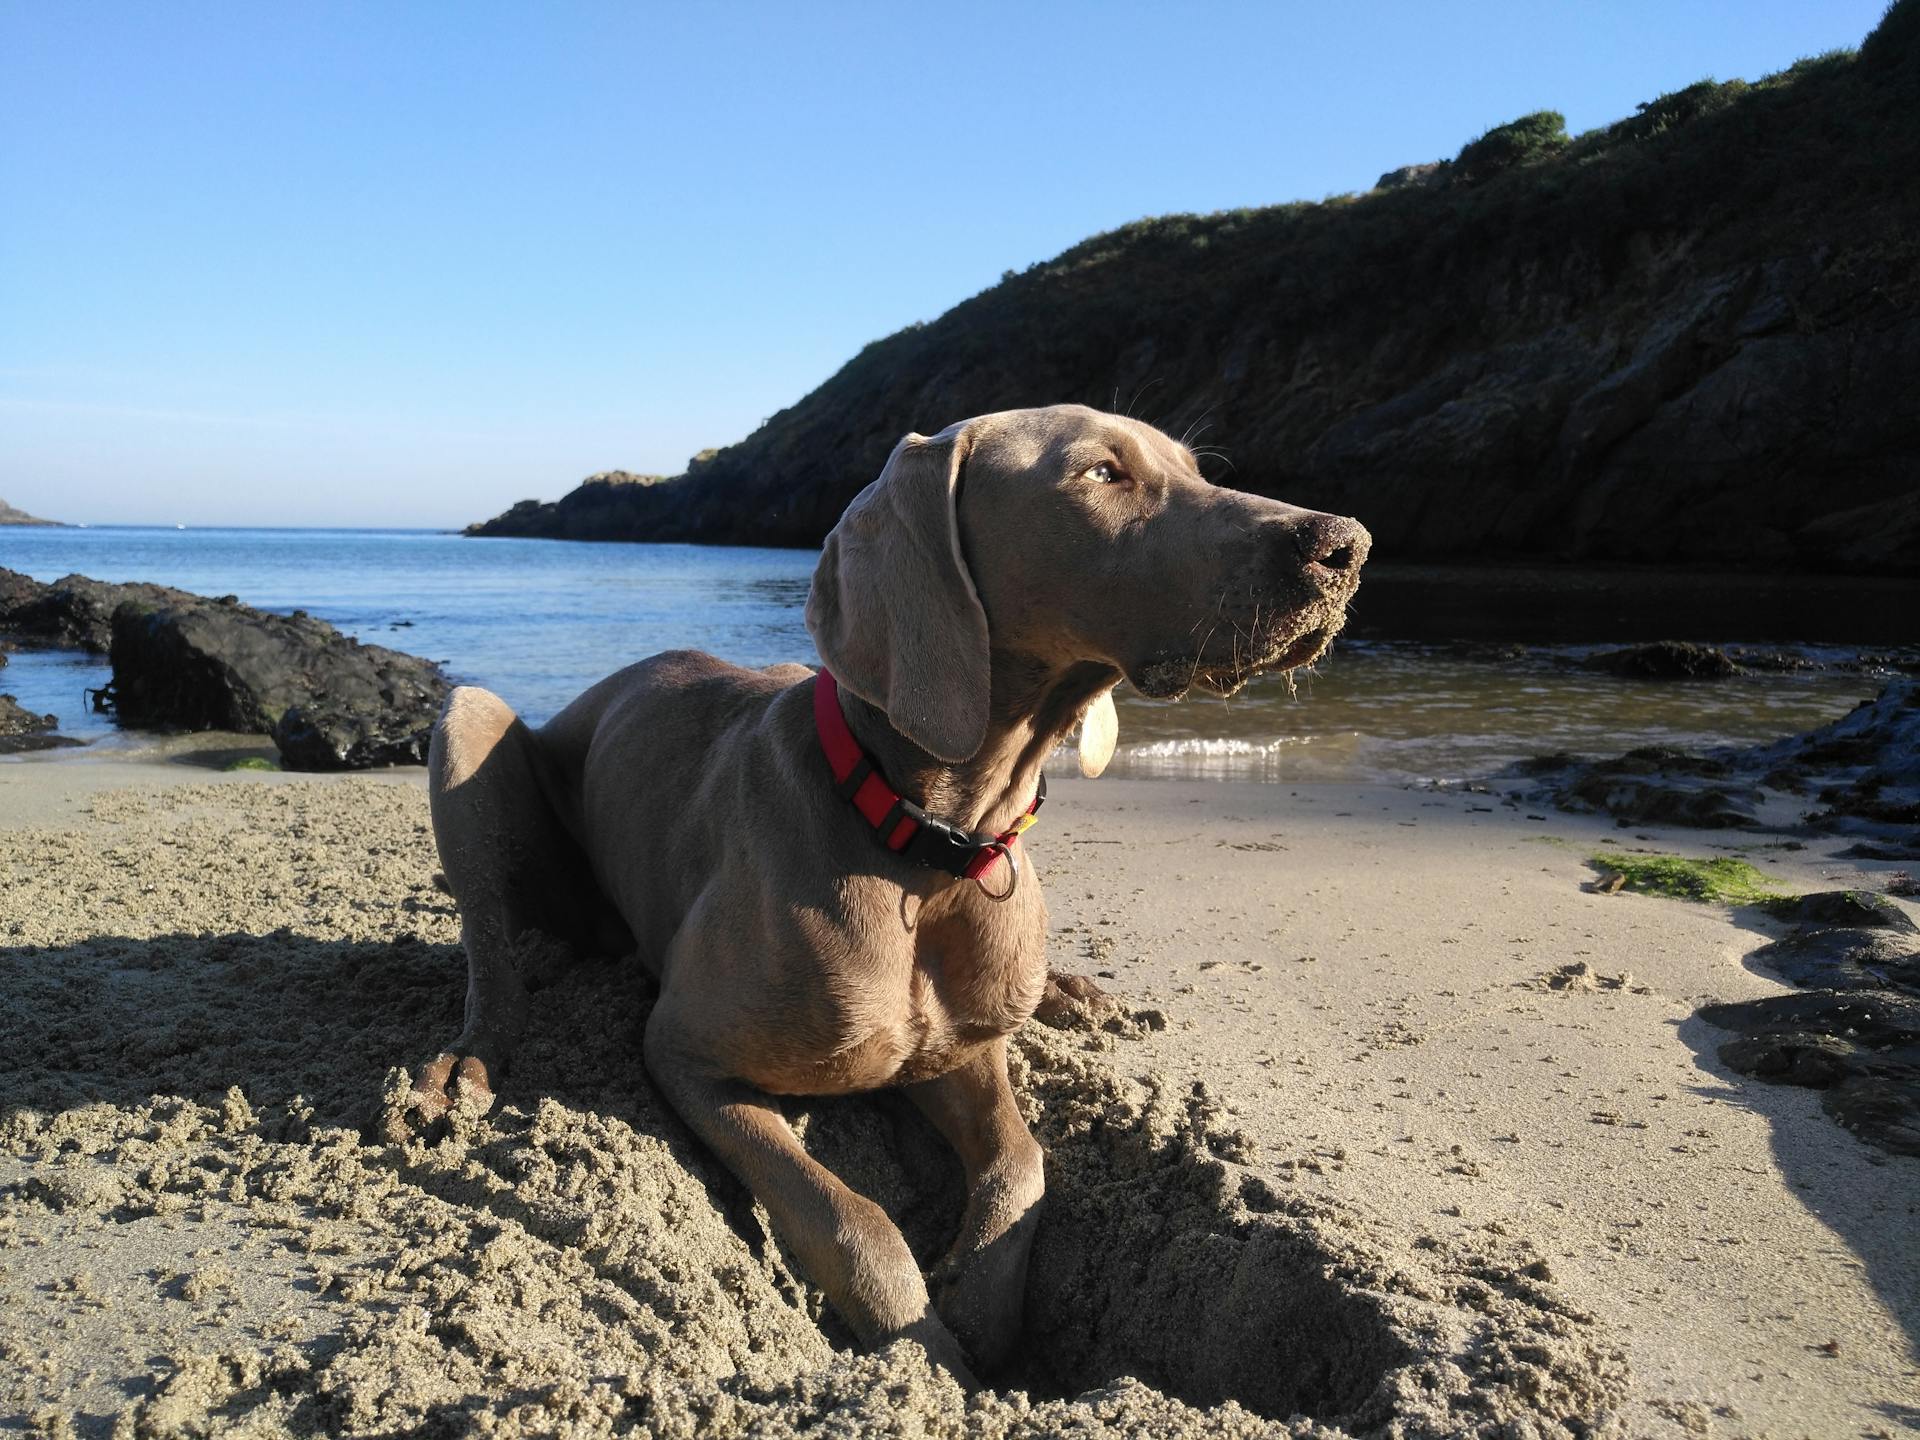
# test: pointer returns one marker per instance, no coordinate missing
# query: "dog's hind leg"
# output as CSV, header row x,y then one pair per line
x,y
507,860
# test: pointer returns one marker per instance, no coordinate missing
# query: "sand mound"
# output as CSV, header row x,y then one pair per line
x,y
202,995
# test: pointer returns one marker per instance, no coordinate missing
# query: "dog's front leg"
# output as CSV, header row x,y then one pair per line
x,y
845,1243
984,1276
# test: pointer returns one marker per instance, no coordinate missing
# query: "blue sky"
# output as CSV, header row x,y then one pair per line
x,y
405,264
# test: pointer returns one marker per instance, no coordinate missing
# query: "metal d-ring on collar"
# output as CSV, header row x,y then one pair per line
x,y
1013,878
902,826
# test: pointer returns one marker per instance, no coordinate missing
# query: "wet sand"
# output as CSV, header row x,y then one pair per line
x,y
1396,1163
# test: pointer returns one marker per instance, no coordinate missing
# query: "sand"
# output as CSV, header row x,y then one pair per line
x,y
1417,1136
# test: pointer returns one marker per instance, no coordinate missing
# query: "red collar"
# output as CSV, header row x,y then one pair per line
x,y
899,824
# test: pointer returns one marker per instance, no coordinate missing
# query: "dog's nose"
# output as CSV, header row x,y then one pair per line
x,y
1332,545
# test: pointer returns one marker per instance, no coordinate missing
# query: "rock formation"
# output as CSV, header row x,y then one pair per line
x,y
183,661
584,513
74,612
21,729
11,516
1691,336
1852,1027
1858,776
328,701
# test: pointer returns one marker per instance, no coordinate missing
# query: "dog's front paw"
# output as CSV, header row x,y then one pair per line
x,y
416,1105
1073,1002
981,1309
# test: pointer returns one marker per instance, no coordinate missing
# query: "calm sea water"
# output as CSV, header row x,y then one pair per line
x,y
1445,673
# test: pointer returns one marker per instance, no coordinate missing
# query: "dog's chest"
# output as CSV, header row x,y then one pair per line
x,y
902,1005
974,978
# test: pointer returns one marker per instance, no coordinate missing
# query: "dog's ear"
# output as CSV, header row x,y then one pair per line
x,y
1099,732
893,610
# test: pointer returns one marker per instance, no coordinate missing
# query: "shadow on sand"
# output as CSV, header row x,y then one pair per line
x,y
1848,1032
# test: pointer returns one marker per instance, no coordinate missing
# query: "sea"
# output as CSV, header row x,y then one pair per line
x,y
1445,674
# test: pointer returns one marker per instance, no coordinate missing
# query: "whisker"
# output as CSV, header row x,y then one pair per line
x,y
1197,426
1219,455
1201,649
1141,392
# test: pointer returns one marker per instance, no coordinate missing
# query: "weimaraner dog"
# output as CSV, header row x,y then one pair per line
x,y
826,879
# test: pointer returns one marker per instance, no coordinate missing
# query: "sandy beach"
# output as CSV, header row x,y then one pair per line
x,y
1411,1132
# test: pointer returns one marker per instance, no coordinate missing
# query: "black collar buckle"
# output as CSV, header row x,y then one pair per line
x,y
939,844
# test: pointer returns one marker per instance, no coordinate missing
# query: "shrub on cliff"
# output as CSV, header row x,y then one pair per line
x,y
1531,137
1895,41
1678,107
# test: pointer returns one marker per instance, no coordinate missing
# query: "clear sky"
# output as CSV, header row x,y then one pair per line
x,y
403,264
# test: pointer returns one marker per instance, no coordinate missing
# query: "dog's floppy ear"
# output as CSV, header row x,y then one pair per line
x,y
893,610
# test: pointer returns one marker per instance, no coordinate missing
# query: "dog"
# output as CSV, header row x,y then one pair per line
x,y
824,872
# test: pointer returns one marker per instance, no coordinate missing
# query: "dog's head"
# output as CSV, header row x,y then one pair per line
x,y
1069,537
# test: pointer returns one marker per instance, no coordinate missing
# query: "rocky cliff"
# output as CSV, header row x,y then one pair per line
x,y
596,509
1693,335
11,516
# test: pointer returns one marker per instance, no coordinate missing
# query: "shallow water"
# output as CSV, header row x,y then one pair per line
x,y
1445,672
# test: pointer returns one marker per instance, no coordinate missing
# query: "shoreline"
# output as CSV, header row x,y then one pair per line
x,y
1361,976
1374,714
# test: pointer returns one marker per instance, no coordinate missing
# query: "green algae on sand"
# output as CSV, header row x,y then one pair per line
x,y
1722,880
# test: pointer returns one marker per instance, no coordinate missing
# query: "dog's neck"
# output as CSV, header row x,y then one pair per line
x,y
1031,707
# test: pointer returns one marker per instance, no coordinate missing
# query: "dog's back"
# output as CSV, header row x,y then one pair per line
x,y
643,769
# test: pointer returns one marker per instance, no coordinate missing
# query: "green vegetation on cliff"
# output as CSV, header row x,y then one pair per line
x,y
1691,335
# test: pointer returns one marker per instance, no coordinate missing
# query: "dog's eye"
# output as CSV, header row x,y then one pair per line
x,y
1104,474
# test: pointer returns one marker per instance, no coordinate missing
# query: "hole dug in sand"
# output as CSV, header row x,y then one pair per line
x,y
1170,1281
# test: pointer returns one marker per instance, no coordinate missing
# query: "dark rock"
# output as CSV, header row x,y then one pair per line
x,y
333,733
1881,1105
1853,1029
1641,800
1783,662
1857,908
16,720
1665,760
1877,1021
1431,173
74,612
330,702
1665,660
17,593
1843,958
1792,1057
1878,852
21,729
1864,768
1656,785
1906,661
